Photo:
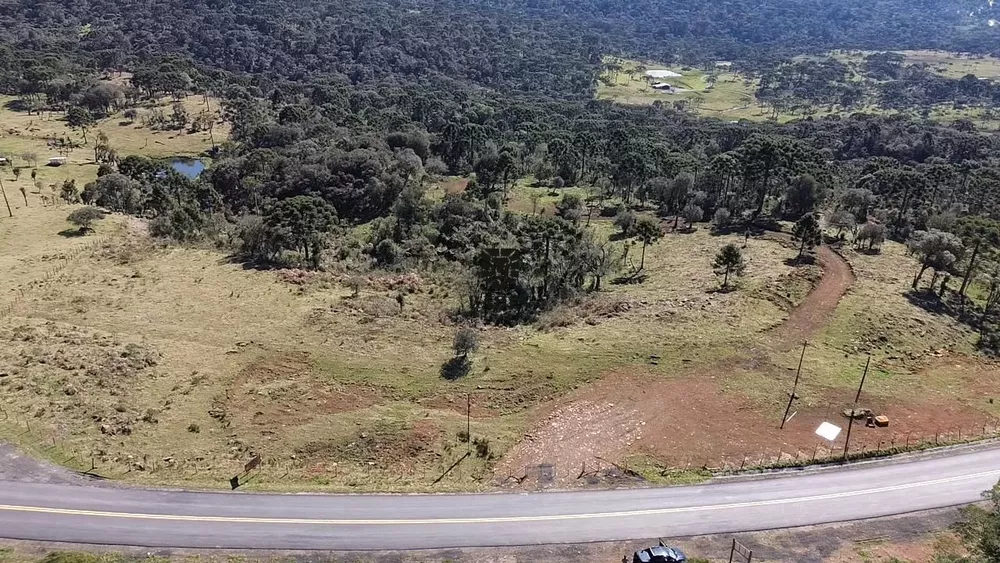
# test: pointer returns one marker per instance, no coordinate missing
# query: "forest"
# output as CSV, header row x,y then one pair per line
x,y
341,112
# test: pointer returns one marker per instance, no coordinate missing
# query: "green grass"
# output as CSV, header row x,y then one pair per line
x,y
655,473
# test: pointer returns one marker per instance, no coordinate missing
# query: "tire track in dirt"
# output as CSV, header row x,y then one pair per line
x,y
622,412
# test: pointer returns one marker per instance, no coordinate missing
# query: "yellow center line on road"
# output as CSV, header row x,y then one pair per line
x,y
493,519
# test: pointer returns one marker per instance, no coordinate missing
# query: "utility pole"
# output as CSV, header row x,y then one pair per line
x,y
4,192
468,421
795,386
850,420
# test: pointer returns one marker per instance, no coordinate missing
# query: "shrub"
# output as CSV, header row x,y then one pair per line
x,y
482,447
466,341
625,221
194,428
85,217
722,218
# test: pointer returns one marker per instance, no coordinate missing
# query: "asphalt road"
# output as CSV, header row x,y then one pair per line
x,y
151,518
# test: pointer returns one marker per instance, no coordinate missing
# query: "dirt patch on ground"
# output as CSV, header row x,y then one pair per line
x,y
384,445
695,422
285,389
454,185
592,429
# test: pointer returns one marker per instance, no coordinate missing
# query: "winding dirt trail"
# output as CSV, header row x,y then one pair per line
x,y
815,311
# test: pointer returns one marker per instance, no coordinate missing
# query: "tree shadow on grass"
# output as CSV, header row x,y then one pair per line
x,y
72,233
456,368
930,302
629,279
804,260
723,290
18,105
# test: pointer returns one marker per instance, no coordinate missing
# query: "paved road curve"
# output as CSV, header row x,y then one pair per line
x,y
69,513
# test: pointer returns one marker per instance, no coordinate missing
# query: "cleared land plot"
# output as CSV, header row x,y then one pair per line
x,y
730,96
924,377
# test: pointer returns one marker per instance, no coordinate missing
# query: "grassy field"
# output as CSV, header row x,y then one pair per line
x,y
723,94
730,97
950,65
173,365
21,133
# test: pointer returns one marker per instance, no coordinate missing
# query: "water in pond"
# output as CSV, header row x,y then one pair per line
x,y
189,167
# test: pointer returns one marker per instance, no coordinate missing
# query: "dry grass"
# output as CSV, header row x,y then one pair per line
x,y
177,366
917,355
340,392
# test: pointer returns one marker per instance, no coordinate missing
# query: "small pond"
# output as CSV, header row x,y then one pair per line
x,y
190,167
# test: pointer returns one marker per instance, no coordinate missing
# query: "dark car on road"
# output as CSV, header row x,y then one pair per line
x,y
659,554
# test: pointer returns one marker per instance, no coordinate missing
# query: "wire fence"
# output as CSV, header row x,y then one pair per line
x,y
463,471
61,263
860,448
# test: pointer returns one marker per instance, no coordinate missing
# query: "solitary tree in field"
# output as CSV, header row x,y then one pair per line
x,y
935,249
873,233
570,207
728,261
17,173
625,220
69,193
466,342
85,217
692,214
648,231
722,218
807,232
841,220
